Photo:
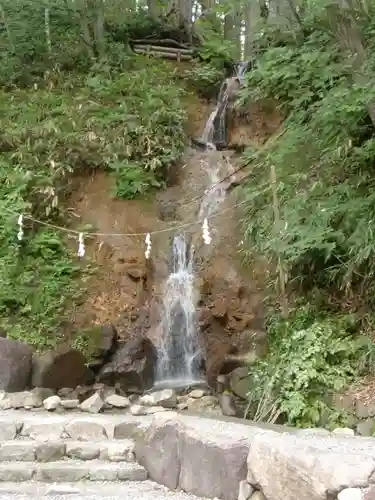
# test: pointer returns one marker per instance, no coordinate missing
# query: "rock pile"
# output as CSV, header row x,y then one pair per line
x,y
100,398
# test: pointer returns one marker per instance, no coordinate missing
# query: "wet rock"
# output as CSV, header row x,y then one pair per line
x,y
93,404
63,367
15,365
166,398
132,366
52,403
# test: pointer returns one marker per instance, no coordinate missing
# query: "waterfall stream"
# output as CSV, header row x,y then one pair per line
x,y
180,354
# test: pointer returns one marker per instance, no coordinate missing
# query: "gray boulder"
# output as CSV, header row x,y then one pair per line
x,y
15,365
132,366
62,367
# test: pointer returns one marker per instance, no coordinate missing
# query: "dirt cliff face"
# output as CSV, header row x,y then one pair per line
x,y
127,289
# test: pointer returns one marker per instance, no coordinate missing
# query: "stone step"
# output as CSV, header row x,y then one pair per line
x,y
74,426
71,471
25,450
145,490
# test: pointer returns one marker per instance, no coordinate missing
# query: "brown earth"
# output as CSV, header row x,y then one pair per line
x,y
126,289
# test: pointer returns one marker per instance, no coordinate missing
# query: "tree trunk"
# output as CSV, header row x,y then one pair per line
x,y
349,36
152,8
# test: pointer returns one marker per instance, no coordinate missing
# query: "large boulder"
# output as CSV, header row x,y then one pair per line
x,y
132,366
195,455
15,365
62,367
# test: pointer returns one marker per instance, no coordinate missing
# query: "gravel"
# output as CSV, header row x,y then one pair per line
x,y
145,490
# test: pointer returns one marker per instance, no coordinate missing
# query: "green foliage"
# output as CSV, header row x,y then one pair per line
x,y
205,78
88,341
62,113
310,356
324,161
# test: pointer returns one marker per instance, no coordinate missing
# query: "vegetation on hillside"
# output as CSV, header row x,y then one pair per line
x,y
311,202
75,98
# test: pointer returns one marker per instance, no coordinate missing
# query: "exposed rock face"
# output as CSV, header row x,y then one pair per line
x,y
63,367
131,366
15,365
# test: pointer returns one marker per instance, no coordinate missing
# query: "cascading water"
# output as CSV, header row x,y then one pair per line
x,y
180,355
179,352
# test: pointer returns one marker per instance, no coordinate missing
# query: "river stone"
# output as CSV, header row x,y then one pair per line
x,y
52,403
93,404
60,368
15,365
166,398
350,494
117,401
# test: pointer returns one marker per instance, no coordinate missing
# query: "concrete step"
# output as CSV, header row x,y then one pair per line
x,y
71,471
30,450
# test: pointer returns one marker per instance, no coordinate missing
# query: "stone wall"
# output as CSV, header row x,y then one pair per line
x,y
360,412
229,461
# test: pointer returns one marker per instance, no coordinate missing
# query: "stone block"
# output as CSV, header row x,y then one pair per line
x,y
83,451
17,451
220,469
50,451
131,472
125,430
62,472
365,410
44,430
82,430
119,452
366,427
288,466
16,472
8,430
158,452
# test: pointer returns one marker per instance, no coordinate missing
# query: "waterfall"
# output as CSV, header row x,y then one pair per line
x,y
180,356
179,352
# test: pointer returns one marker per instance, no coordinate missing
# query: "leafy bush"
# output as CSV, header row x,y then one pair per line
x,y
309,358
205,79
324,161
